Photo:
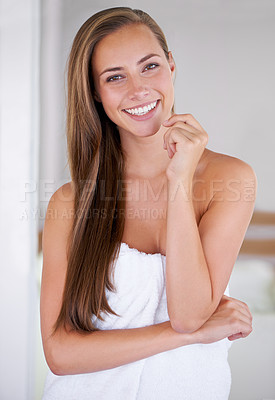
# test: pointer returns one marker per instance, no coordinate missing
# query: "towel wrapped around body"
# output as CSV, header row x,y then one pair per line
x,y
191,372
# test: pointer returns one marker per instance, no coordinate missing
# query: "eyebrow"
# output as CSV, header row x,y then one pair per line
x,y
143,59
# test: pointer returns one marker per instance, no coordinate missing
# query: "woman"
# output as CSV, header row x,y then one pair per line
x,y
138,249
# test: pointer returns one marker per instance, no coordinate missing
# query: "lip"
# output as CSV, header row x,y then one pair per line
x,y
140,105
144,117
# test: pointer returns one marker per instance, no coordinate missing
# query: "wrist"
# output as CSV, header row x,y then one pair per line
x,y
185,180
181,185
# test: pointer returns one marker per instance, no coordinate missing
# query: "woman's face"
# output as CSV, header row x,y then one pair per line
x,y
133,80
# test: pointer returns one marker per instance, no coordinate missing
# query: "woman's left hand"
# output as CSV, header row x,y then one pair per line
x,y
185,141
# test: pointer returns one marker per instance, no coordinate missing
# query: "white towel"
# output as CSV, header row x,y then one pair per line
x,y
192,372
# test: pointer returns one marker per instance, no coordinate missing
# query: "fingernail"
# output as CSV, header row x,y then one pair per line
x,y
165,122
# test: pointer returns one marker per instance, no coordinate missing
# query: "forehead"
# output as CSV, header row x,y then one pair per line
x,y
129,43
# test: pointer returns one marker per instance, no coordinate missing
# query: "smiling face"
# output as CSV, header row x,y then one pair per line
x,y
133,79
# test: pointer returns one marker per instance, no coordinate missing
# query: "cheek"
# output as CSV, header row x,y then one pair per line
x,y
165,83
167,89
110,101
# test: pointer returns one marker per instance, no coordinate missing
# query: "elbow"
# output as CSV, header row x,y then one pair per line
x,y
185,326
56,368
192,321
55,362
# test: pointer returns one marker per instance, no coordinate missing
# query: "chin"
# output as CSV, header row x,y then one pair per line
x,y
145,130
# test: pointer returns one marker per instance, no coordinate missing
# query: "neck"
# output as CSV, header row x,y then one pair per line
x,y
145,156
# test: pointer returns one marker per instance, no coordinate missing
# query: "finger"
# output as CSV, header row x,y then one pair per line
x,y
235,336
240,321
242,334
245,317
243,328
242,315
238,303
172,149
173,146
237,315
186,118
181,128
245,334
182,125
233,300
183,136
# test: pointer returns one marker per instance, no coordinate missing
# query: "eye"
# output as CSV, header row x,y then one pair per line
x,y
151,66
113,78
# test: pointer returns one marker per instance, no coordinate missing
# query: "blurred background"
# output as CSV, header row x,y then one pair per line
x,y
225,58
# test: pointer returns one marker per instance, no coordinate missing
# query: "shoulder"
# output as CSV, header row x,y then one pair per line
x,y
63,195
221,166
62,200
59,215
222,177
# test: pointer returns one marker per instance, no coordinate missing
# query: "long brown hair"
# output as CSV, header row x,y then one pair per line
x,y
96,161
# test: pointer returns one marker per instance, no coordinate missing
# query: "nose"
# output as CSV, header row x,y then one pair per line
x,y
138,89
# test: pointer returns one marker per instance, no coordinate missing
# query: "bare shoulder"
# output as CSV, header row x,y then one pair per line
x,y
63,196
59,216
222,177
222,166
62,201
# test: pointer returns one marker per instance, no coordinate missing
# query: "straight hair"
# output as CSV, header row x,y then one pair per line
x,y
96,161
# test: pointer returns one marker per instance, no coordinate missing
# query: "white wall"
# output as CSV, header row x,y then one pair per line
x,y
52,161
19,133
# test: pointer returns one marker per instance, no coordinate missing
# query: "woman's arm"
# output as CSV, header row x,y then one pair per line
x,y
72,352
200,259
75,353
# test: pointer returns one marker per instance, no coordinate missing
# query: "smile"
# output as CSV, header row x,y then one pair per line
x,y
141,110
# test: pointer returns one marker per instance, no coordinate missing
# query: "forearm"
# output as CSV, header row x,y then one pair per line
x,y
74,353
188,283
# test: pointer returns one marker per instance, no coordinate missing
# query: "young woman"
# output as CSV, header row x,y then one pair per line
x,y
139,247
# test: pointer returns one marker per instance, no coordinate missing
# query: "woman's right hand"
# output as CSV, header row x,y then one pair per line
x,y
232,319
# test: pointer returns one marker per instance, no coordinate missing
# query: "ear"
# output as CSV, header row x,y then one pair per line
x,y
171,62
96,96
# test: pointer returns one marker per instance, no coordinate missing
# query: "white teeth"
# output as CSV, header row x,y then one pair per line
x,y
141,110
